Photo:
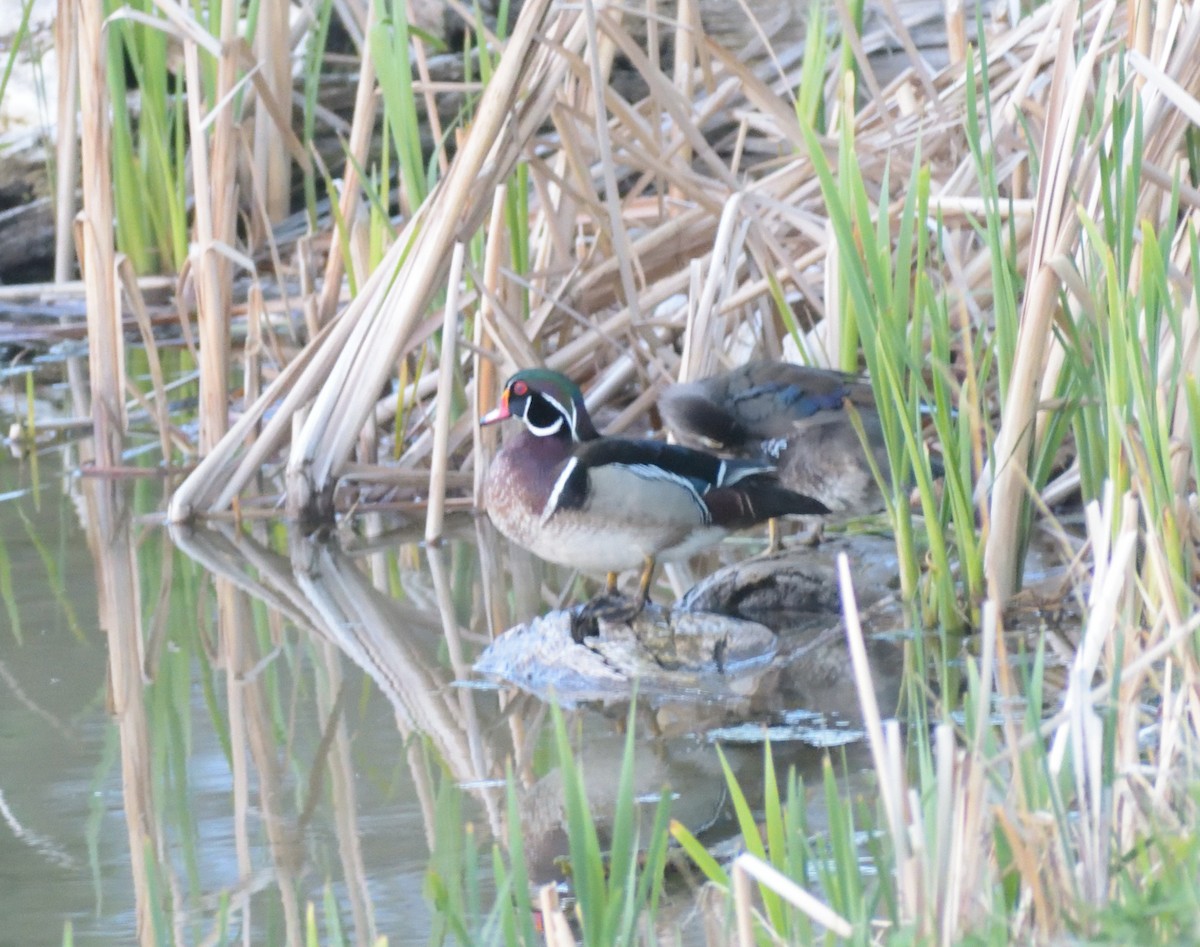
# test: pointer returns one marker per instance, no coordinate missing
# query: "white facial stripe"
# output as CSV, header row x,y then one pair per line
x,y
559,484
567,413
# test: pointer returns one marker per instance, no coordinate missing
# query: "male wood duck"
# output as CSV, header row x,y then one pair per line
x,y
610,504
793,416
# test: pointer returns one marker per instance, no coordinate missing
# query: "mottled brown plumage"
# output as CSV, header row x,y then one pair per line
x,y
794,417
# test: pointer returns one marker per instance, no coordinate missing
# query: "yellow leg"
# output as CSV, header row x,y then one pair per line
x,y
774,538
610,584
643,592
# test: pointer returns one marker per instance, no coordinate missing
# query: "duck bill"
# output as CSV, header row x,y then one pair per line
x,y
498,413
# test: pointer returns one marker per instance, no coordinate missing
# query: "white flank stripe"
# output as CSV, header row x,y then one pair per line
x,y
721,474
748,471
552,503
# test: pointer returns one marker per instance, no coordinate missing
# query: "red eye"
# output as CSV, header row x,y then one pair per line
x,y
520,389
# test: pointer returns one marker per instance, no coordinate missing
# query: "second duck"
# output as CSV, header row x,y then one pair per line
x,y
794,416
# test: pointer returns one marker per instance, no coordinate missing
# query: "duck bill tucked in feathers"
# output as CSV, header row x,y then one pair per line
x,y
757,402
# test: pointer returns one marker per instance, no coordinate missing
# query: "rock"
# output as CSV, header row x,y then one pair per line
x,y
663,651
780,591
755,639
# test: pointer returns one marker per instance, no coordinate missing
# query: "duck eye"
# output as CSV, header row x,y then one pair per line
x,y
520,389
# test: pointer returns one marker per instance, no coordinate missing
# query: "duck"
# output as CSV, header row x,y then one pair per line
x,y
794,417
613,504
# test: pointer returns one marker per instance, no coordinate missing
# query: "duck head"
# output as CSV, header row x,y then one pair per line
x,y
550,404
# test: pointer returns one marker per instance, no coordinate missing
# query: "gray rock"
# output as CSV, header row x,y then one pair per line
x,y
663,651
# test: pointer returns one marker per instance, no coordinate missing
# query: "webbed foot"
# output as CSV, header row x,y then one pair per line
x,y
611,607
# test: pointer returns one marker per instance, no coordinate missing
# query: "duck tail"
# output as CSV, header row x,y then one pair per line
x,y
757,499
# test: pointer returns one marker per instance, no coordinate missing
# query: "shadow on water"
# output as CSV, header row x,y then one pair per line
x,y
281,720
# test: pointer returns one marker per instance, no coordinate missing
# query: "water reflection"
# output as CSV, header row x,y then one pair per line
x,y
283,717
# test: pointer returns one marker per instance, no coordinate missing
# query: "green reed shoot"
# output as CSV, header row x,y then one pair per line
x,y
612,893
17,40
313,57
886,310
150,170
810,94
1125,344
8,593
390,45
54,577
831,862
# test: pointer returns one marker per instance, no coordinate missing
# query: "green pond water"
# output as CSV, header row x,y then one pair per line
x,y
203,734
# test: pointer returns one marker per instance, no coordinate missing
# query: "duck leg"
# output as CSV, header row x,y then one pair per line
x,y
813,535
643,592
774,537
611,606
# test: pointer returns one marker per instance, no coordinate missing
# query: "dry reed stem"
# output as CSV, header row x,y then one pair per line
x,y
699,342
1053,228
599,56
270,161
505,335
333,760
66,146
216,216
94,240
361,129
891,780
119,597
161,409
557,929
440,459
252,351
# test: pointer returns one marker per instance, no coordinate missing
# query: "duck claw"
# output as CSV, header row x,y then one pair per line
x,y
610,607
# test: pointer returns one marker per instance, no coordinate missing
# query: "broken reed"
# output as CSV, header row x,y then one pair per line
x,y
187,84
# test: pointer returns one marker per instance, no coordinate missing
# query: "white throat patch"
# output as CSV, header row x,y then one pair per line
x,y
547,431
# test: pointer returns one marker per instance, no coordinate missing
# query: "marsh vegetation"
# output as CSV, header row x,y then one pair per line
x,y
306,244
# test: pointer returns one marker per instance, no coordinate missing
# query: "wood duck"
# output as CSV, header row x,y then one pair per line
x,y
610,504
792,416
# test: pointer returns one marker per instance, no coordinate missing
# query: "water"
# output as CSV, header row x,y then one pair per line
x,y
209,731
